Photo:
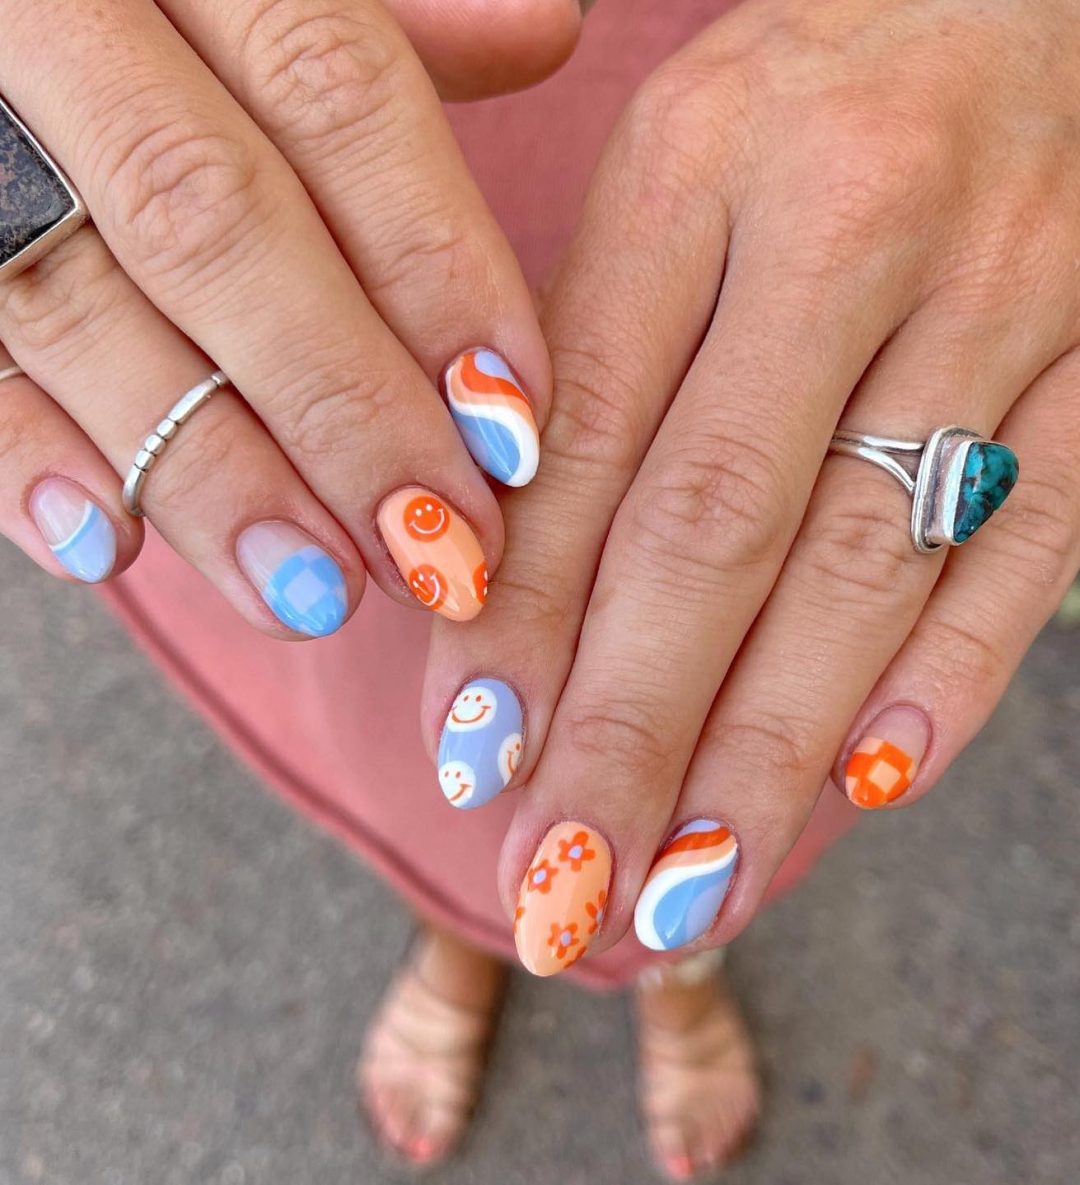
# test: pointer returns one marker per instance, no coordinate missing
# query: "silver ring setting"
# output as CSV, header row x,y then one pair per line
x,y
156,443
956,479
11,372
39,206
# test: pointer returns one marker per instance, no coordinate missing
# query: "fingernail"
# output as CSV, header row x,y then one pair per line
x,y
481,743
686,886
300,582
562,898
493,415
436,553
79,533
883,765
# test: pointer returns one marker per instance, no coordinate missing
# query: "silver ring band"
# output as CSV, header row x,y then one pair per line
x,y
956,479
155,444
11,372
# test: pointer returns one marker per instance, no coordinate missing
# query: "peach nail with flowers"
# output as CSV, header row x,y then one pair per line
x,y
436,552
562,898
883,765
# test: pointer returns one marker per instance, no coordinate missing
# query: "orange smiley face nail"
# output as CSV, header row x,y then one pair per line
x,y
436,552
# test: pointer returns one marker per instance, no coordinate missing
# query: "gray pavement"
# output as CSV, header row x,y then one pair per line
x,y
186,968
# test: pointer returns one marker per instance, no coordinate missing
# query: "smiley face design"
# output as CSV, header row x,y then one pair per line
x,y
428,585
483,734
426,519
458,781
475,707
510,757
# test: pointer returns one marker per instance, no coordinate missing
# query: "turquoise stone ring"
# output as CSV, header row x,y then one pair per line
x,y
956,479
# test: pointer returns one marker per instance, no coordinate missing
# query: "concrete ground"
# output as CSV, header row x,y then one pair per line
x,y
186,968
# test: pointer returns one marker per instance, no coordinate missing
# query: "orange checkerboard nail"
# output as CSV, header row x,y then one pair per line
x,y
878,773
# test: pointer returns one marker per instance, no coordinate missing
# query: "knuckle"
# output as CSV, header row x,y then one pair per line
x,y
597,419
776,747
185,196
671,139
538,610
431,247
962,650
324,71
332,418
52,306
858,553
615,728
879,169
721,503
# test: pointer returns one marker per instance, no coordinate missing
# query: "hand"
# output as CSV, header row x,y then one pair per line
x,y
701,614
273,186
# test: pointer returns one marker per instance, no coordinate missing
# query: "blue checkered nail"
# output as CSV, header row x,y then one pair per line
x,y
307,593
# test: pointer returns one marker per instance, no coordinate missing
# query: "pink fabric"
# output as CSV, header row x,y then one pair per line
x,y
333,725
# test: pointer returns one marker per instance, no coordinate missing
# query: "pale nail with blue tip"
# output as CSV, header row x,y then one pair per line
x,y
481,744
687,885
79,533
301,583
493,415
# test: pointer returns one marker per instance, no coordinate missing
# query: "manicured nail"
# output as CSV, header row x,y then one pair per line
x,y
493,415
562,899
687,885
436,552
481,744
303,585
79,533
883,765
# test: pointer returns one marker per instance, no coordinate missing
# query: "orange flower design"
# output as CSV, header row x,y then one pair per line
x,y
595,910
563,939
540,877
576,851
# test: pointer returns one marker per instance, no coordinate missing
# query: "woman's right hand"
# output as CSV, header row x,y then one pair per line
x,y
273,186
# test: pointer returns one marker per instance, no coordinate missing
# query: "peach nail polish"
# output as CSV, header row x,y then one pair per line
x,y
435,551
883,765
562,898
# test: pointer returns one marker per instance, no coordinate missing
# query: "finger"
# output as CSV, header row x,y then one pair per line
x,y
59,500
850,591
218,231
623,269
338,89
695,548
222,493
475,49
987,608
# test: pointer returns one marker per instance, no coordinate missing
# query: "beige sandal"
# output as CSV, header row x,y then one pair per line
x,y
421,1070
699,1090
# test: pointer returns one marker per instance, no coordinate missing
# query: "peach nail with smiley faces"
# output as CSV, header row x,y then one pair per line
x,y
436,552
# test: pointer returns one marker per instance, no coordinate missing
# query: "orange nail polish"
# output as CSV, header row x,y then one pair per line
x,y
562,898
884,764
435,551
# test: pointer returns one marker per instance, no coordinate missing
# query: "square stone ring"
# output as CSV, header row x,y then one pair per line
x,y
39,207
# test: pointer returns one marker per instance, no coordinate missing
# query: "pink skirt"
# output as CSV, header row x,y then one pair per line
x,y
333,725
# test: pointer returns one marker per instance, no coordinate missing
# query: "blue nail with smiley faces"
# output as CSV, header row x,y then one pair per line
x,y
481,744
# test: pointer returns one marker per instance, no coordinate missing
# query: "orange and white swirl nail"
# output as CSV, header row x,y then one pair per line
x,y
436,552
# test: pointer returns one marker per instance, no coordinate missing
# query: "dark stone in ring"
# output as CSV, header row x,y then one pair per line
x,y
39,207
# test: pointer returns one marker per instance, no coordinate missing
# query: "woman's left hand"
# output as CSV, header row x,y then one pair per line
x,y
855,214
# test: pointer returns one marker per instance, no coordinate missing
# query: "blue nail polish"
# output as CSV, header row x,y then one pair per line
x,y
303,586
686,886
78,531
481,744
493,416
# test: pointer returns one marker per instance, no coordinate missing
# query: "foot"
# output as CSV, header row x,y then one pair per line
x,y
699,1090
423,1062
